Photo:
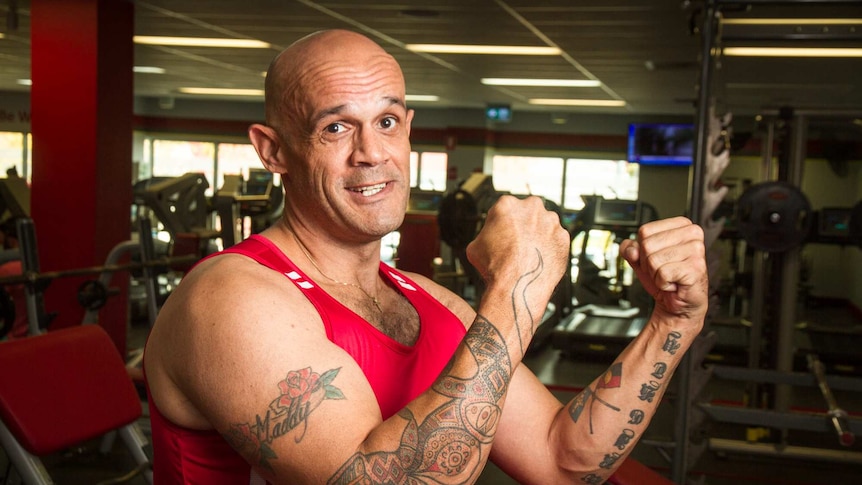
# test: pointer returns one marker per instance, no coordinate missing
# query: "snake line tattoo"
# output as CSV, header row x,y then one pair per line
x,y
519,291
452,439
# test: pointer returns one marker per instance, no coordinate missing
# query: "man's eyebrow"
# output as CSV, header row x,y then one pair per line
x,y
396,100
326,112
392,100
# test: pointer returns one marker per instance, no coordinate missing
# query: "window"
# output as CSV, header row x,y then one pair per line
x,y
428,170
237,158
12,152
540,176
612,179
544,176
174,158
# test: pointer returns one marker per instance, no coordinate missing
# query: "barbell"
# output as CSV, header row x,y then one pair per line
x,y
35,278
92,294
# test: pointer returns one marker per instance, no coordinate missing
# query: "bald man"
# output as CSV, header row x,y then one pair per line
x,y
298,357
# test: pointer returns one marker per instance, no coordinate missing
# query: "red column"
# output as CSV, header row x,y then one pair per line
x,y
81,105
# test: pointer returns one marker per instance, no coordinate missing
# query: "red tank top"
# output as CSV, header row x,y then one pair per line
x,y
397,373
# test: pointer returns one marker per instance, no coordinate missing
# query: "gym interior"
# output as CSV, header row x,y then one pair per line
x,y
117,182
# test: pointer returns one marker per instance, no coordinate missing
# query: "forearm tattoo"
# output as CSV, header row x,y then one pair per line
x,y
582,404
301,392
585,399
452,439
519,299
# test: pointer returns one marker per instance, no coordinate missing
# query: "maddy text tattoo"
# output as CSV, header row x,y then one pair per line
x,y
301,392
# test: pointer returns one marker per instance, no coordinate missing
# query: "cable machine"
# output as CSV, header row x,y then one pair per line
x,y
703,199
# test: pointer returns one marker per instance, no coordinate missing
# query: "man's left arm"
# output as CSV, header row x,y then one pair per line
x,y
585,440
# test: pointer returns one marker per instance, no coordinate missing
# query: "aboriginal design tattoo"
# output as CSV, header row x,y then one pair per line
x,y
450,443
519,298
301,392
585,399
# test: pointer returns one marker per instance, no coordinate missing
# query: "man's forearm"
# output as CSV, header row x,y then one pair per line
x,y
597,429
447,432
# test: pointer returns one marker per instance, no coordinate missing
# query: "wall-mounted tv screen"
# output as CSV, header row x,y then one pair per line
x,y
661,143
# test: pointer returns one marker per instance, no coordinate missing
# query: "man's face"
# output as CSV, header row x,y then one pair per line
x,y
351,149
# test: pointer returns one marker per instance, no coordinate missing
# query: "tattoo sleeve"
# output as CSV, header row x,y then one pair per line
x,y
453,438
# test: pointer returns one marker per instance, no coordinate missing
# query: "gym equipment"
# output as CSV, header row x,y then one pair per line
x,y
181,206
419,235
60,389
7,312
610,306
834,420
602,278
44,278
14,198
461,216
774,216
257,199
91,294
461,213
837,416
854,227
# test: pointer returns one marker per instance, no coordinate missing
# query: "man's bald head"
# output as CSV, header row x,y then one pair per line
x,y
305,63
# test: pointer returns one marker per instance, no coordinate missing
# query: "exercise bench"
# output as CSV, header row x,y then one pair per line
x,y
63,388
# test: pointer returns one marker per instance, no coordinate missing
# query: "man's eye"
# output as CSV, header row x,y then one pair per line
x,y
334,128
387,122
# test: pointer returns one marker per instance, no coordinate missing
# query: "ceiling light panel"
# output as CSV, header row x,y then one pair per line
x,y
791,52
501,50
603,103
560,83
201,42
221,91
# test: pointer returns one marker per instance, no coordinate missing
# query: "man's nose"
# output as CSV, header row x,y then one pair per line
x,y
369,147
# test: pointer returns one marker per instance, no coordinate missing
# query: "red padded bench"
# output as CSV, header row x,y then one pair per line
x,y
60,389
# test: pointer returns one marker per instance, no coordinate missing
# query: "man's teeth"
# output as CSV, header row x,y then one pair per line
x,y
370,190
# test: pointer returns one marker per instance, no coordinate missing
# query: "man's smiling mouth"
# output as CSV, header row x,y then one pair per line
x,y
370,190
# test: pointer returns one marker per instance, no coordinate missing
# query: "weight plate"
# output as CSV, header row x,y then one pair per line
x,y
774,216
92,295
457,219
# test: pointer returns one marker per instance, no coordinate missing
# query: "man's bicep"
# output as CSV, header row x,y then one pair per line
x,y
296,407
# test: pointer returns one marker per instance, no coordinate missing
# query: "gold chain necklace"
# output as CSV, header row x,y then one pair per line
x,y
330,278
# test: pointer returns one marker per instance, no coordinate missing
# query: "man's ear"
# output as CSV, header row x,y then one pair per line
x,y
410,114
268,146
